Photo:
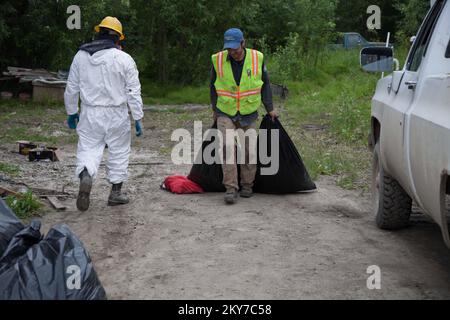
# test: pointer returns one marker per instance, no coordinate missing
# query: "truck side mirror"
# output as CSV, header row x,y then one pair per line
x,y
377,59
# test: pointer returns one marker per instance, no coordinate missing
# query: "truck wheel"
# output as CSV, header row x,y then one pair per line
x,y
391,204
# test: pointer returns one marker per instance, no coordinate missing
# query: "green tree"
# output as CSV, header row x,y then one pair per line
x,y
36,35
176,38
412,14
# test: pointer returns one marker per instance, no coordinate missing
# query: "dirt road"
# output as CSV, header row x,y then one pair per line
x,y
305,246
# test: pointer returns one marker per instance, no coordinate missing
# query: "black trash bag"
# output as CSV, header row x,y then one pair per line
x,y
207,176
21,242
9,226
33,268
292,175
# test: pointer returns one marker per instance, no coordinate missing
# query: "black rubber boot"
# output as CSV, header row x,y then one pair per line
x,y
231,196
246,192
116,197
85,190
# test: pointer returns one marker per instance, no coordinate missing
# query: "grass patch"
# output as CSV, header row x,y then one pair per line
x,y
36,122
167,95
9,169
24,207
165,150
335,98
22,133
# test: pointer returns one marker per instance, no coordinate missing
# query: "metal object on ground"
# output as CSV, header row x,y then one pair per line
x,y
43,153
279,90
25,147
49,192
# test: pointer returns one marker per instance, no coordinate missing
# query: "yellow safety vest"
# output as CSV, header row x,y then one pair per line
x,y
245,98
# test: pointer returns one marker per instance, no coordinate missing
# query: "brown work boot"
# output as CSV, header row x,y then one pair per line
x,y
116,197
246,192
231,196
85,190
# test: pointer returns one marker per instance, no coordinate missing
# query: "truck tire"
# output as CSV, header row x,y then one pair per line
x,y
391,204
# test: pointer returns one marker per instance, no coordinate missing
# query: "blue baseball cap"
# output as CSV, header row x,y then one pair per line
x,y
233,38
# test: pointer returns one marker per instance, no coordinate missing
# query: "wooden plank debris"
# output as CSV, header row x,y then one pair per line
x,y
56,204
7,192
28,75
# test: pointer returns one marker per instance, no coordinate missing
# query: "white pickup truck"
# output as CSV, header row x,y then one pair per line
x,y
410,131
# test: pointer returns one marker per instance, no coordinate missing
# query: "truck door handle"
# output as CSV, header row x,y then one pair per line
x,y
411,84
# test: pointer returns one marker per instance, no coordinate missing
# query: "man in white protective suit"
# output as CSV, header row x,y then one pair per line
x,y
106,80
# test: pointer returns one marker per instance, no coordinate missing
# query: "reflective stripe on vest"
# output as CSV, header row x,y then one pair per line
x,y
230,96
255,62
220,64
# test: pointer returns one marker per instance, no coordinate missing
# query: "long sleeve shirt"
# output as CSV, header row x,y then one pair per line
x,y
266,92
106,78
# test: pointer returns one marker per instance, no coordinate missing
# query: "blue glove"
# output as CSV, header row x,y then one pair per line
x,y
138,126
73,120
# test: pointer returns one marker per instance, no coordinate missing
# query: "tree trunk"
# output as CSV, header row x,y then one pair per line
x,y
163,72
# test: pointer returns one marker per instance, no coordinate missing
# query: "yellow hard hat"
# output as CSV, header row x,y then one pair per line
x,y
111,23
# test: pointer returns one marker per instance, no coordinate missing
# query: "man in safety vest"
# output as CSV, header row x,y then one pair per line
x,y
106,80
239,82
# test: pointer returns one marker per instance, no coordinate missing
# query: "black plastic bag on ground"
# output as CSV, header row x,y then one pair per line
x,y
292,175
9,226
207,176
54,268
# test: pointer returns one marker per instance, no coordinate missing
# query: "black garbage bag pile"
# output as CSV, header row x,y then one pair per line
x,y
207,176
291,177
54,267
9,226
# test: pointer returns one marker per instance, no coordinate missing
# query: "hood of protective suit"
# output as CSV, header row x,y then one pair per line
x,y
99,58
107,78
98,45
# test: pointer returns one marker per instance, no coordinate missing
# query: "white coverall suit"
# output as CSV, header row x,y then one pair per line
x,y
106,83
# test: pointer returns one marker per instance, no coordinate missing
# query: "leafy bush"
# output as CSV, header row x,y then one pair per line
x,y
23,206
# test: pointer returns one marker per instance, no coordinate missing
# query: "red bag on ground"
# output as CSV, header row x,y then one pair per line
x,y
181,185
